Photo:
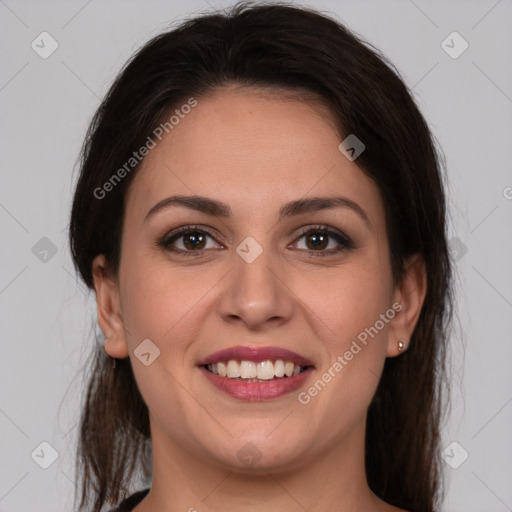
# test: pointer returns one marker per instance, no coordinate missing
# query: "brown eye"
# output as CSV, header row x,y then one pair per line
x,y
324,242
189,241
317,241
194,241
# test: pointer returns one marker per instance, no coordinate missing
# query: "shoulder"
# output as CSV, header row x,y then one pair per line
x,y
128,503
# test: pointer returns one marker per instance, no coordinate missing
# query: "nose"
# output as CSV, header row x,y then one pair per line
x,y
256,294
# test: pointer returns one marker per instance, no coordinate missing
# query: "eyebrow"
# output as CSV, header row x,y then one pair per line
x,y
216,208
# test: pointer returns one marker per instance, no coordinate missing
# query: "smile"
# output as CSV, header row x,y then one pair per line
x,y
256,374
250,371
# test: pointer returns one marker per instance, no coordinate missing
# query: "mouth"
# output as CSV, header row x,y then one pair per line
x,y
256,374
251,371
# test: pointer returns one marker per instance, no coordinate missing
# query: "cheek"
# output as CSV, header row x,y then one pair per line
x,y
346,306
163,302
165,305
345,302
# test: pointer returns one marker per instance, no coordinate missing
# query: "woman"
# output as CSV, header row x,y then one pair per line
x,y
261,214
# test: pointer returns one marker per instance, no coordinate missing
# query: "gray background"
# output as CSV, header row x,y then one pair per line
x,y
46,105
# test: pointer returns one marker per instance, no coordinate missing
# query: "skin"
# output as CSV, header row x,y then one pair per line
x,y
255,151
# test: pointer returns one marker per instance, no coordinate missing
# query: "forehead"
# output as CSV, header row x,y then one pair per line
x,y
251,149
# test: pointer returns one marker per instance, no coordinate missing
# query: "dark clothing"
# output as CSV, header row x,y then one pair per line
x,y
129,503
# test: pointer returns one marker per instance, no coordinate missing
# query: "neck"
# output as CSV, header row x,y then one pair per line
x,y
332,480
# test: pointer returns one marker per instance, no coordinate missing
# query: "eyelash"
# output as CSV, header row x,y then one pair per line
x,y
342,239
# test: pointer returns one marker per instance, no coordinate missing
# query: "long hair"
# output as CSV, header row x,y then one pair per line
x,y
291,49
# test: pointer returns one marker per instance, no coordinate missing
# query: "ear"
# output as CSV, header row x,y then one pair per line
x,y
408,300
108,308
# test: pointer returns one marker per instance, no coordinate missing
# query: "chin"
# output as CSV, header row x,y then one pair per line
x,y
260,453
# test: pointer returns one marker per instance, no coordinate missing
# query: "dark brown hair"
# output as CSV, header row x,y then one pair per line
x,y
281,47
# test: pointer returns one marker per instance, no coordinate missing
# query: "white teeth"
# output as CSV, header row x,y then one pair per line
x,y
221,368
254,372
279,368
248,370
233,369
265,370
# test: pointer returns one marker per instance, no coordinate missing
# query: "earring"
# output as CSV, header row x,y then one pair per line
x,y
401,346
114,362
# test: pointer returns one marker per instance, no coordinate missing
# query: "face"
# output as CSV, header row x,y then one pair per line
x,y
269,275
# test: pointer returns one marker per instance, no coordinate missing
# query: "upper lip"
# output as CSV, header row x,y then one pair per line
x,y
256,354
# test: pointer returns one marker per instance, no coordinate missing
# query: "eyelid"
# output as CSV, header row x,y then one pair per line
x,y
166,240
342,239
324,229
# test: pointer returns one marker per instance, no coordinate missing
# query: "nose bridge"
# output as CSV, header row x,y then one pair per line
x,y
255,293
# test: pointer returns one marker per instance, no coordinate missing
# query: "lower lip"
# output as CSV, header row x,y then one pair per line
x,y
257,391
